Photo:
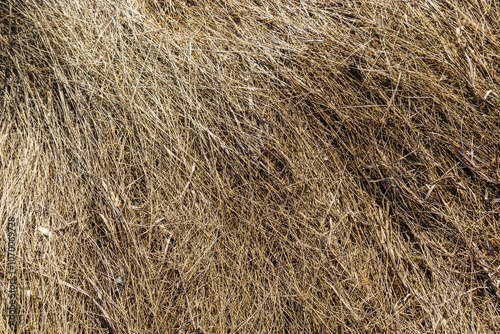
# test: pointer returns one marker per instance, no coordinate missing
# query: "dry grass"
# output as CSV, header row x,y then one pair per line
x,y
266,166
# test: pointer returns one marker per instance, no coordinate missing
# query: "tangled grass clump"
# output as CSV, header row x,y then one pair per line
x,y
266,166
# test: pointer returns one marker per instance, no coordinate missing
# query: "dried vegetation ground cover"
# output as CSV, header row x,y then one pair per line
x,y
263,166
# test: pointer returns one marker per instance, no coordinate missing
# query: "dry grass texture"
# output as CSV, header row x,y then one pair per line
x,y
263,166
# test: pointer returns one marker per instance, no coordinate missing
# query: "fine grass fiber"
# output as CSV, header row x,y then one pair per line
x,y
264,166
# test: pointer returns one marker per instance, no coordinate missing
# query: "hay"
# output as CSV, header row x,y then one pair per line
x,y
252,166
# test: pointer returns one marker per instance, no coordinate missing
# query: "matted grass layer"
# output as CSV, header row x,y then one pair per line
x,y
263,166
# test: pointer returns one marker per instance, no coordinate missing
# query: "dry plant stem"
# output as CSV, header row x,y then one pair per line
x,y
263,166
384,235
106,317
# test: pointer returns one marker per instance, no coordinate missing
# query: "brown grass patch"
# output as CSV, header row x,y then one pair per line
x,y
263,166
